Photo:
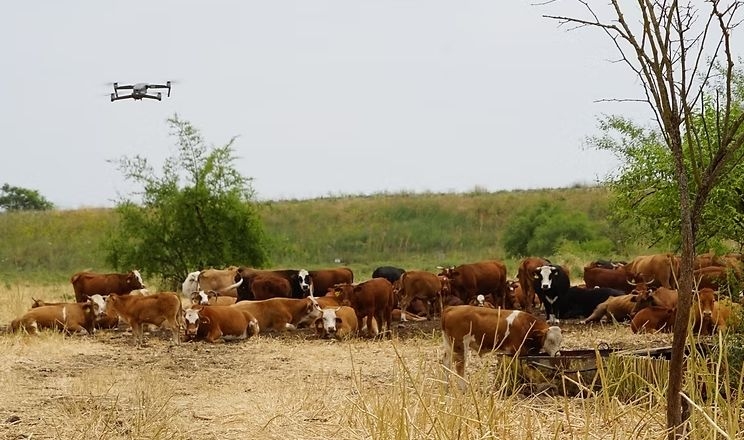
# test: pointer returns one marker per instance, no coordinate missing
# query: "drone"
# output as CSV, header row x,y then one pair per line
x,y
139,91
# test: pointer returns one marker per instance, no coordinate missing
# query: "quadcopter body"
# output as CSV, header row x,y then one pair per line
x,y
139,91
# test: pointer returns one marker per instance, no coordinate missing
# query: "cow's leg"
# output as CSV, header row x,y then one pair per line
x,y
137,333
372,331
598,313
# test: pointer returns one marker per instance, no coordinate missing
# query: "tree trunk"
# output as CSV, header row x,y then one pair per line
x,y
684,288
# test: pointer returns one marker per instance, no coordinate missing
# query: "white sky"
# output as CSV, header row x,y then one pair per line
x,y
327,97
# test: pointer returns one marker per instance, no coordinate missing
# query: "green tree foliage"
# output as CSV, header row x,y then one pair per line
x,y
646,193
198,213
13,198
543,228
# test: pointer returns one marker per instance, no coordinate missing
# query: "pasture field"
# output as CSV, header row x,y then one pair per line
x,y
294,386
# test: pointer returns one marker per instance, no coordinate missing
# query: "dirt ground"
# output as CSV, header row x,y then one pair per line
x,y
281,386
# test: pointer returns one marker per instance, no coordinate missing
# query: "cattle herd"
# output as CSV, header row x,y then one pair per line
x,y
480,306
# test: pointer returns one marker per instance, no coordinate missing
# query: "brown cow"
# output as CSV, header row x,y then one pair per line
x,y
660,297
710,276
324,279
653,319
158,309
527,268
663,268
219,322
219,279
485,277
281,314
510,331
265,286
707,316
616,308
370,299
90,283
211,298
417,284
68,317
337,322
617,278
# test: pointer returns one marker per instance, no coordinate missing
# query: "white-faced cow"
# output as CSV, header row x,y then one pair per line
x,y
68,317
337,322
213,323
86,284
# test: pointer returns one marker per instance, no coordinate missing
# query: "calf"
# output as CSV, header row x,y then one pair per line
x,y
158,309
68,317
510,331
280,314
372,299
417,284
215,322
653,319
339,323
211,298
707,316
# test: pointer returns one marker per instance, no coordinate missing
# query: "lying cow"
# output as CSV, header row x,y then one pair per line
x,y
215,322
653,319
281,314
158,309
211,298
339,322
615,308
509,331
68,317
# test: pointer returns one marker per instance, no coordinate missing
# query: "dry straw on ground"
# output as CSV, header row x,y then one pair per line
x,y
294,386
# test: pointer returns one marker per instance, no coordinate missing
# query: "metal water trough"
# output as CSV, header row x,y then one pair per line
x,y
572,373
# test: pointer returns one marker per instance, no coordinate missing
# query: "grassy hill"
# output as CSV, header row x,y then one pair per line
x,y
408,230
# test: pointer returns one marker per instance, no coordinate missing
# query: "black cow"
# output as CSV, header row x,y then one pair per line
x,y
300,284
550,282
580,302
562,301
390,273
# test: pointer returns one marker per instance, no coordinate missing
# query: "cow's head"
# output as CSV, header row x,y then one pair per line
x,y
305,281
448,272
545,274
330,322
553,338
312,311
200,297
705,299
99,303
134,280
192,319
343,292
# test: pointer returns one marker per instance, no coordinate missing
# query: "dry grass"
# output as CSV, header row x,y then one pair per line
x,y
297,387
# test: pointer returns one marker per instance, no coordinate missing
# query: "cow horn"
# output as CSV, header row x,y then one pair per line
x,y
232,286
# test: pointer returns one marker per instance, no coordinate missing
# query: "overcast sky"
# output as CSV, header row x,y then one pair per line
x,y
327,97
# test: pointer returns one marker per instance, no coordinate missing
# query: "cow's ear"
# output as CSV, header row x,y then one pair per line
x,y
634,298
338,321
205,320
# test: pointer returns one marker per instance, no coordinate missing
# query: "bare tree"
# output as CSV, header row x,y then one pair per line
x,y
679,51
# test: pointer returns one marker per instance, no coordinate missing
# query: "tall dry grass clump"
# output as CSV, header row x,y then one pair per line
x,y
422,402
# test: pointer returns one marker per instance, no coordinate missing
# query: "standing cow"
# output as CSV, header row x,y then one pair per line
x,y
417,284
86,284
486,278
